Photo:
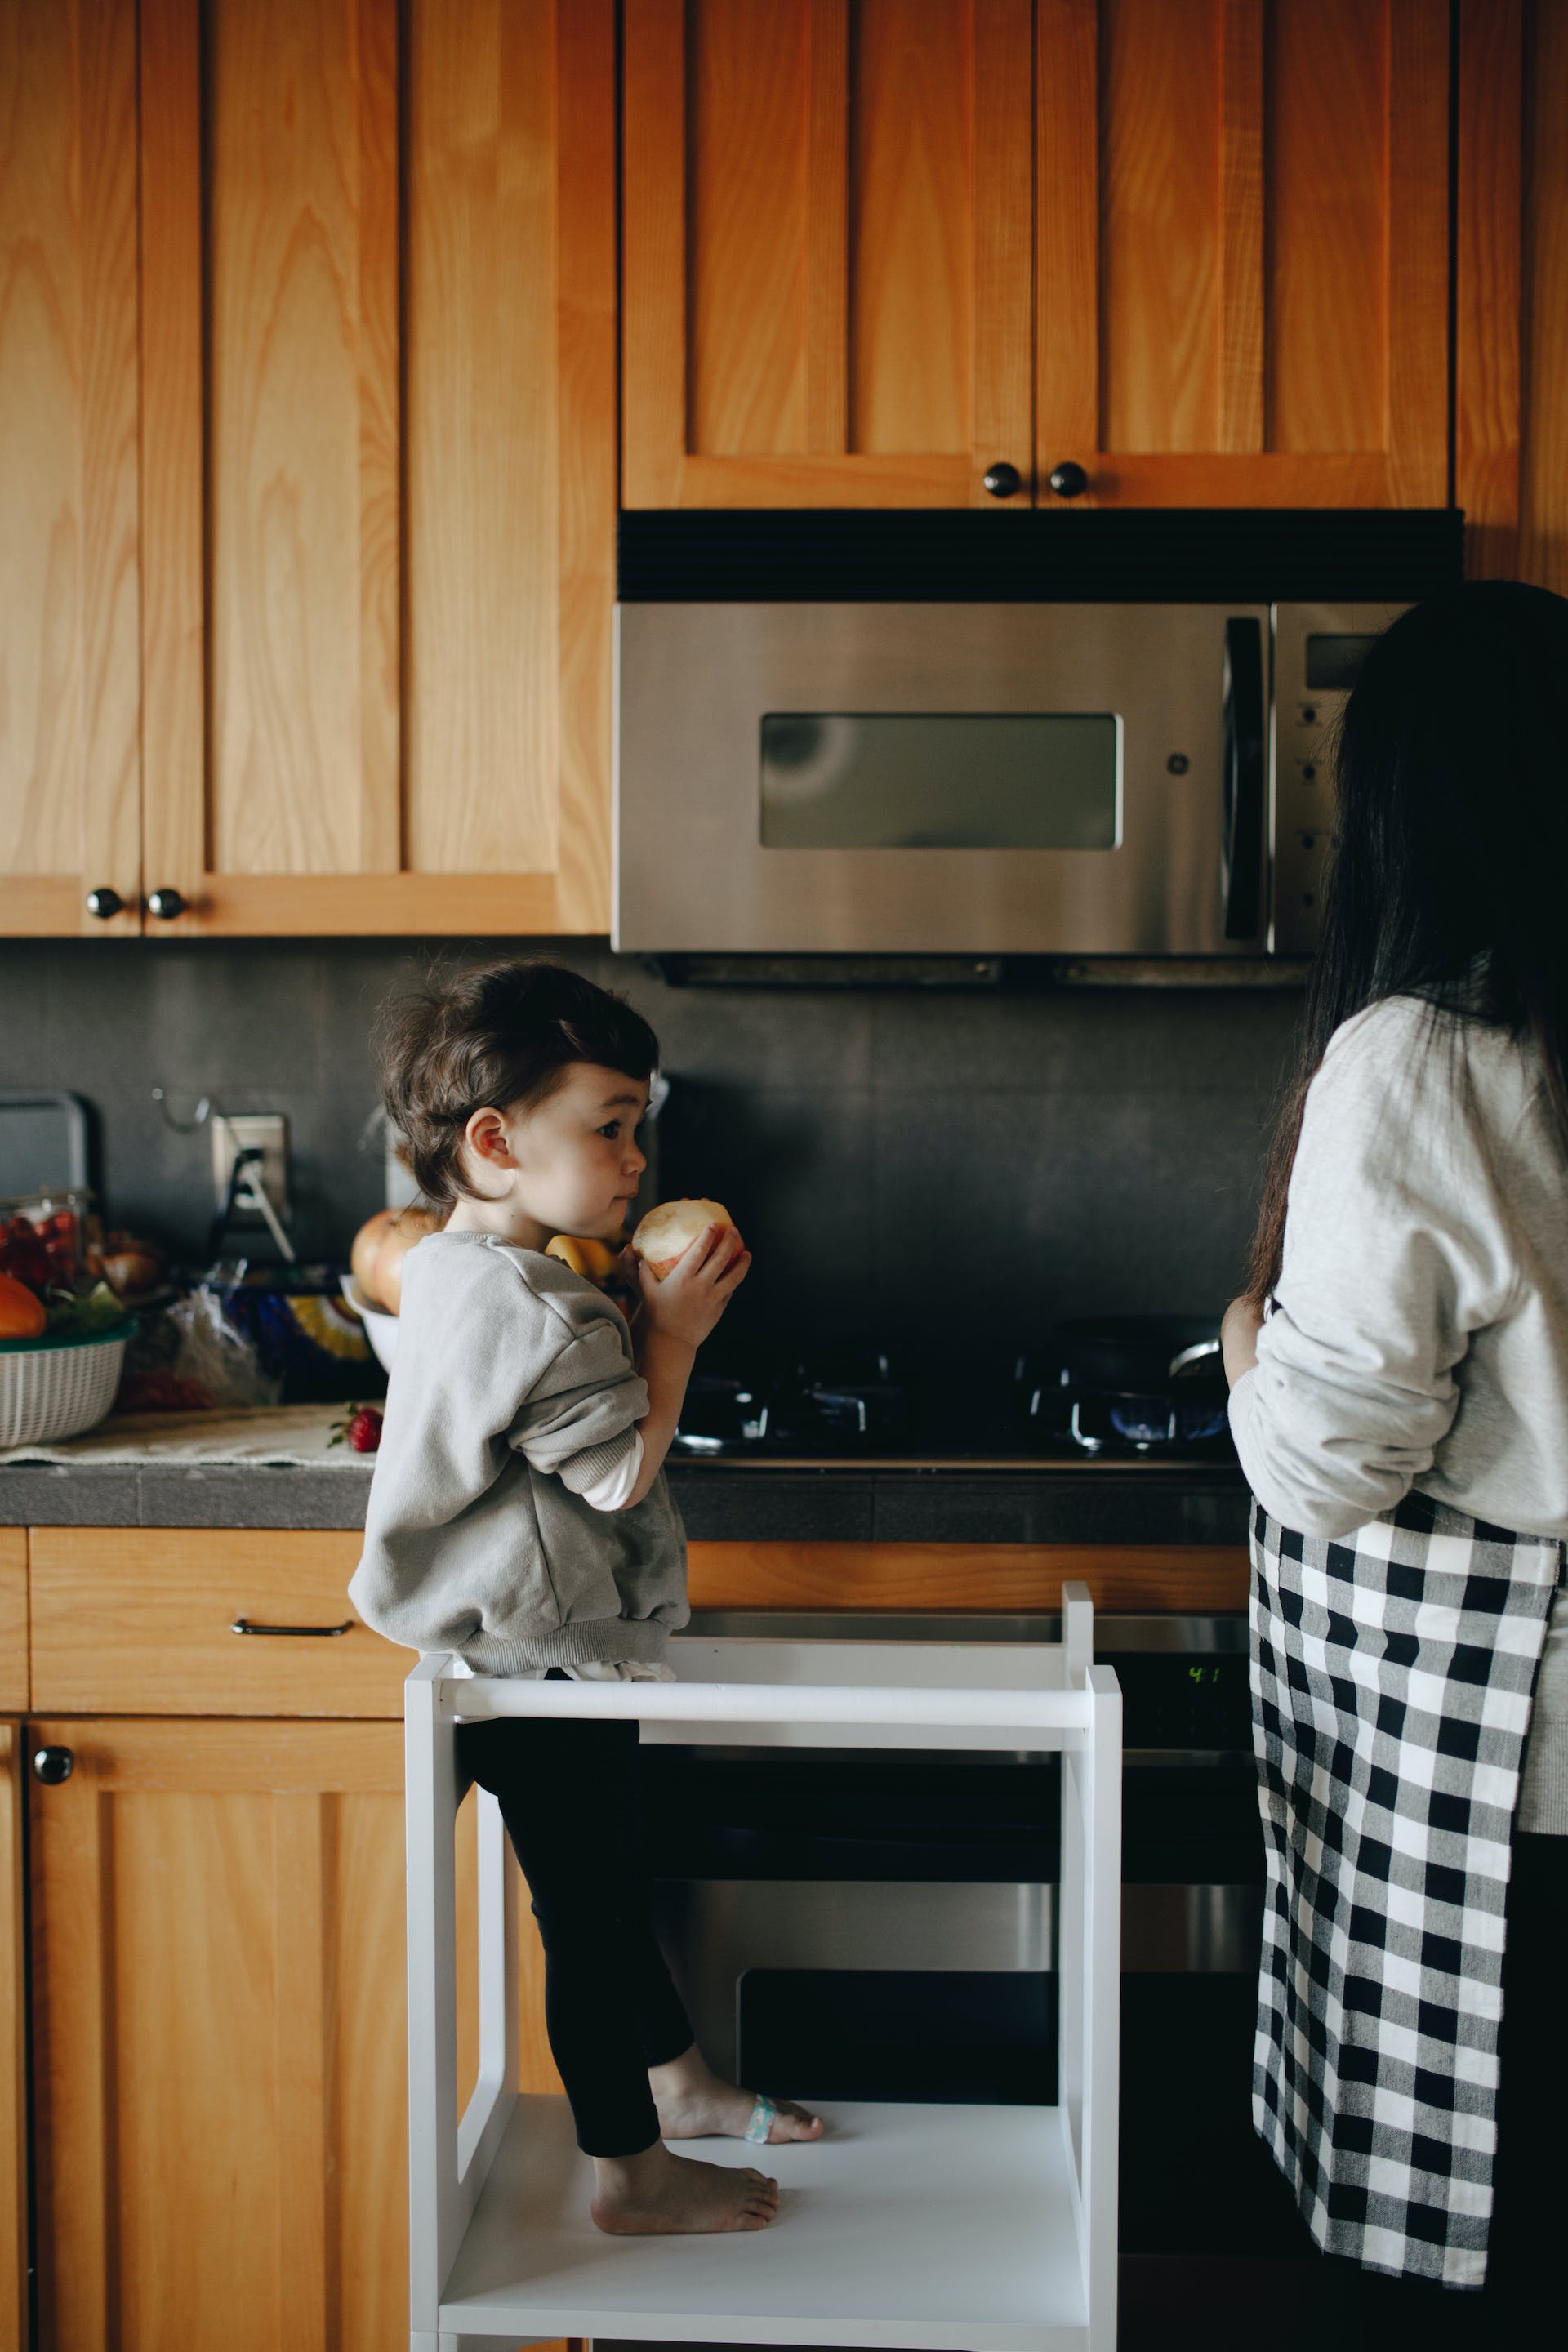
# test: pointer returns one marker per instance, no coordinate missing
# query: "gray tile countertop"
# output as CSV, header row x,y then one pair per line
x,y
777,1504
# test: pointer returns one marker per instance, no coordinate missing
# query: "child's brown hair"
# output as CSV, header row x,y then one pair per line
x,y
493,1037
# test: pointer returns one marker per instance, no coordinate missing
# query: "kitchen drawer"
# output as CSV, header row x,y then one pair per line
x,y
137,1621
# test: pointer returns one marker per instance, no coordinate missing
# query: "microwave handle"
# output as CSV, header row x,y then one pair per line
x,y
1241,840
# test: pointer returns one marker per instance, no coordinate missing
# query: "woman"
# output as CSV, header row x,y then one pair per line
x,y
1399,1399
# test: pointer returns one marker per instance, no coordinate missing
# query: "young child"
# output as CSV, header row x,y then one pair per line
x,y
519,1518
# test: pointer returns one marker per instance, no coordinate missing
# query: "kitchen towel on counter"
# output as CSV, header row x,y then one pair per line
x,y
291,1433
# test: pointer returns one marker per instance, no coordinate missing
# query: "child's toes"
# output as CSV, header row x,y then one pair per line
x,y
794,2123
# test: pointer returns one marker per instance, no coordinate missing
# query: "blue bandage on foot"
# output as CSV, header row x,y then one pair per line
x,y
763,2117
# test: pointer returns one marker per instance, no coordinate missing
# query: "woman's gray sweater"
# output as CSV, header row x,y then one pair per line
x,y
1419,1337
512,1391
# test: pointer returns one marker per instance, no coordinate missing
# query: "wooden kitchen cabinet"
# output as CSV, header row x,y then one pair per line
x,y
218,2036
826,253
1242,258
70,778
1196,249
378,432
14,2295
308,380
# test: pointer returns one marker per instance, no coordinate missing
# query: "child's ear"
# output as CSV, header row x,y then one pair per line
x,y
486,1135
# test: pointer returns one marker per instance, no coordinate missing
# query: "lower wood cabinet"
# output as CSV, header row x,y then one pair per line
x,y
215,1918
218,2036
12,2046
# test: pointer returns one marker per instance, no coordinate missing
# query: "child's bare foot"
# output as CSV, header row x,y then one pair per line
x,y
694,2103
660,2194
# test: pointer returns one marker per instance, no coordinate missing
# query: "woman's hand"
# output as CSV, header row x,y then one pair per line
x,y
1238,1338
688,1303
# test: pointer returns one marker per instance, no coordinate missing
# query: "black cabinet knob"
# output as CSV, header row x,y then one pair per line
x,y
104,903
165,905
1003,481
1069,480
53,1765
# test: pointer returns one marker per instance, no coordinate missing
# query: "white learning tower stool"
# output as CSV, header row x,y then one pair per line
x,y
932,2229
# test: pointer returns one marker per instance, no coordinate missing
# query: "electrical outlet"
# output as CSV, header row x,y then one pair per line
x,y
266,1131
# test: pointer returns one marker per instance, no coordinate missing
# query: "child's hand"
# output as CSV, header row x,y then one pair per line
x,y
690,1301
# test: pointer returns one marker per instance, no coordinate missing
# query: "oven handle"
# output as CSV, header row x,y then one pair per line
x,y
1241,840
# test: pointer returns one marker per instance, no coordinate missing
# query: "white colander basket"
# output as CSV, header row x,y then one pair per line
x,y
58,1388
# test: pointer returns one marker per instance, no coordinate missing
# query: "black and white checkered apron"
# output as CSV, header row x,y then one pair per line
x,y
1391,1676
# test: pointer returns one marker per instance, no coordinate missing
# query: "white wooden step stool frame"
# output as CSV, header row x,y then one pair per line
x,y
1031,1697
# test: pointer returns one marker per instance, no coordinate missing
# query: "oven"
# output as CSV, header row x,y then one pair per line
x,y
882,1924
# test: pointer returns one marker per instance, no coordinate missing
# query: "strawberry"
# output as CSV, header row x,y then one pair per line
x,y
361,1429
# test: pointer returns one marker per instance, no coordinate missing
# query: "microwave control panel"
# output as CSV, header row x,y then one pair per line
x,y
1318,653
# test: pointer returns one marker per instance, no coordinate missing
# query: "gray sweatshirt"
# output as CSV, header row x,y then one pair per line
x,y
512,1391
1419,1337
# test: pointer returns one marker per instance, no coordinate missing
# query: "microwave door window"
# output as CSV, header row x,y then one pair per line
x,y
918,780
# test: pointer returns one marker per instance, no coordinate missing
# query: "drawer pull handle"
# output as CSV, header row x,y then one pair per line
x,y
321,1632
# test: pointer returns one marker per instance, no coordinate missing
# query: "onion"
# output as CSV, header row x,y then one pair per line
x,y
366,1248
409,1225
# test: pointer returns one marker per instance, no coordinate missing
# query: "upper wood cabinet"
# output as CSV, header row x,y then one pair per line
x,y
70,795
1242,254
1195,250
826,251
378,463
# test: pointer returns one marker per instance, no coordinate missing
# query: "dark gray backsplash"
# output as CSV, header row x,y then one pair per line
x,y
950,1169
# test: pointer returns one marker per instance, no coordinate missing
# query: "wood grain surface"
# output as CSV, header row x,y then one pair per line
x,y
69,621
971,1578
1543,488
14,2167
1242,250
13,1621
828,250
396,273
483,482
174,605
218,1956
137,1621
1158,223
1488,319
286,362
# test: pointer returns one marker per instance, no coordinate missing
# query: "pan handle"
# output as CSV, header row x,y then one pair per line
x,y
1241,838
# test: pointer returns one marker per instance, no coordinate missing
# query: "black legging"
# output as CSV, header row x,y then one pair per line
x,y
568,1794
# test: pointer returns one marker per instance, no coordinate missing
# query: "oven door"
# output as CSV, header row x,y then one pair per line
x,y
1020,777
882,1926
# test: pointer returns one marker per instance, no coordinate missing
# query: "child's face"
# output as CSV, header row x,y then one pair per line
x,y
571,1165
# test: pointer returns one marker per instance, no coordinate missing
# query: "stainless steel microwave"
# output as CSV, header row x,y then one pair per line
x,y
967,778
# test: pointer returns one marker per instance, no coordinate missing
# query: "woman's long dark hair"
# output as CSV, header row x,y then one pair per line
x,y
1450,868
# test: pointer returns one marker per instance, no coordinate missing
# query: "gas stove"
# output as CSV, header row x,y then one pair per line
x,y
1124,1392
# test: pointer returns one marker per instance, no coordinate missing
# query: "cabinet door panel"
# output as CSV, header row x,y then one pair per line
x,y
219,2023
1243,250
379,359
827,250
14,2293
69,690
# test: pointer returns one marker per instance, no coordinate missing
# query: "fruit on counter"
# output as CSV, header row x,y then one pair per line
x,y
24,1253
667,1233
361,1430
22,1313
159,1389
409,1225
366,1248
130,1267
597,1260
86,1314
